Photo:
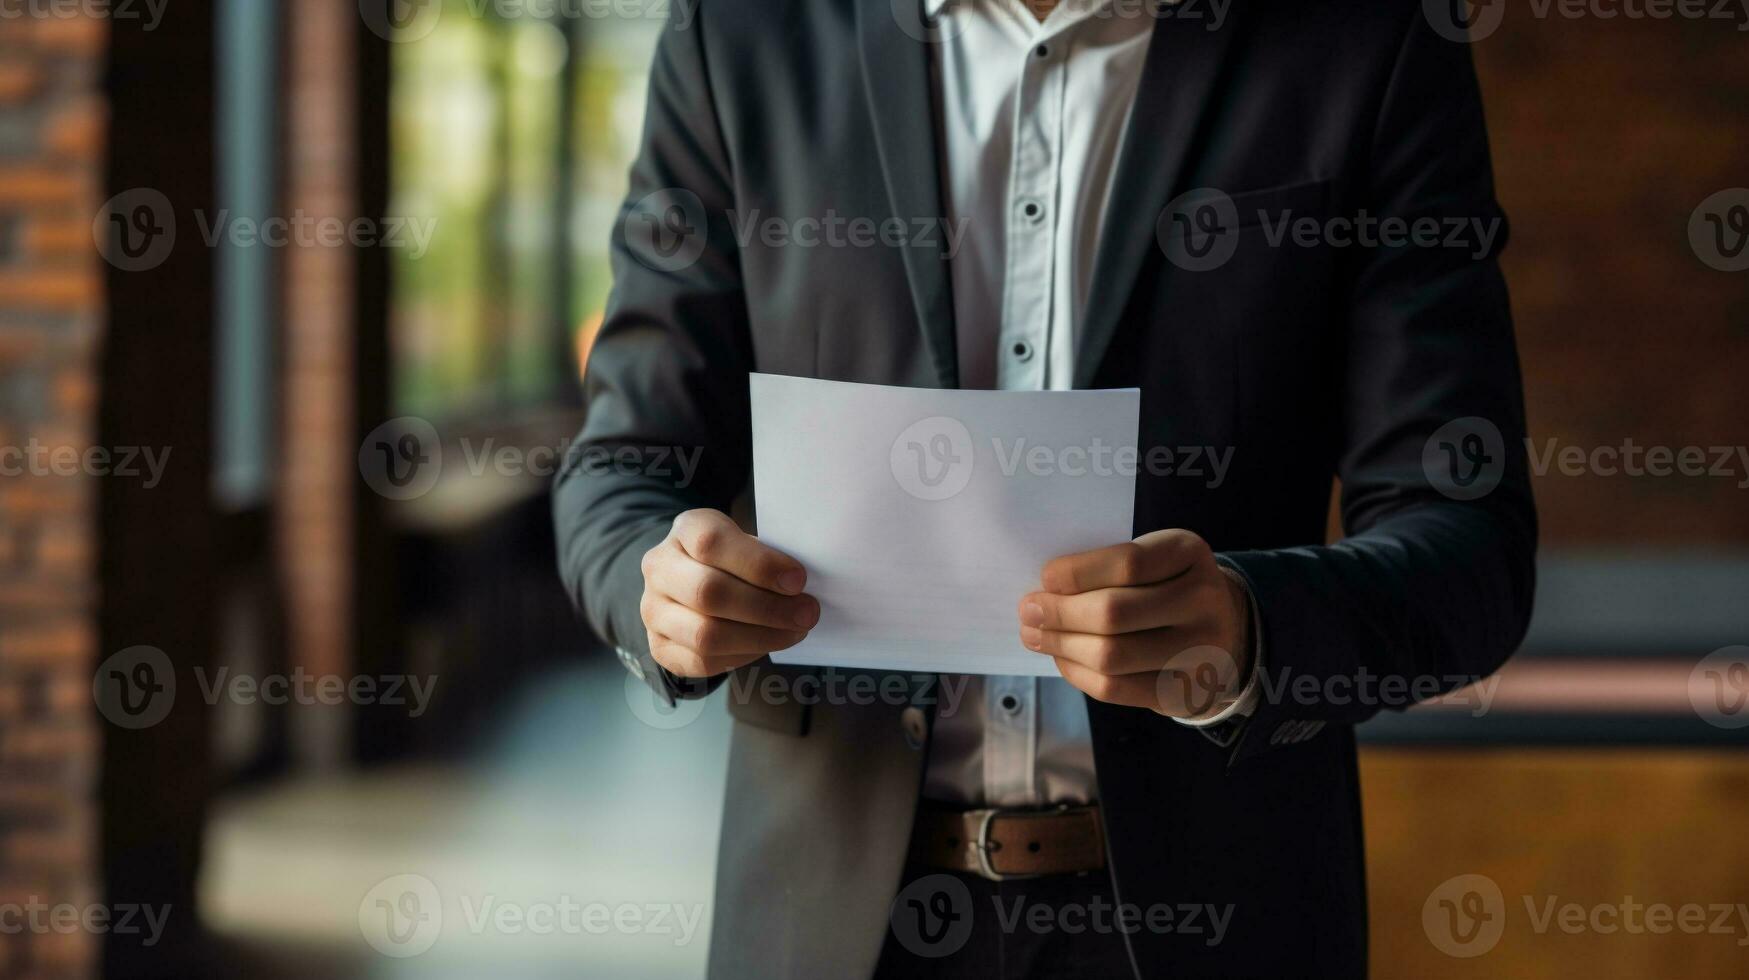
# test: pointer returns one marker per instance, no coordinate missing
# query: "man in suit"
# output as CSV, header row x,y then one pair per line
x,y
1277,219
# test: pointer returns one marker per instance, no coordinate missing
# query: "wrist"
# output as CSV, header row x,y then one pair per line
x,y
1244,687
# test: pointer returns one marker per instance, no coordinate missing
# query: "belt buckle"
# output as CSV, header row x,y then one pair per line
x,y
985,869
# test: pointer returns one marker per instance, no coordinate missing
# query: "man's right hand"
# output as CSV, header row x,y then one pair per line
x,y
715,598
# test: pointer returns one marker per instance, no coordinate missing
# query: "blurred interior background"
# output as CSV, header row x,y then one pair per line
x,y
503,130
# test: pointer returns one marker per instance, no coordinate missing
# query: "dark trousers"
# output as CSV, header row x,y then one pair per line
x,y
945,924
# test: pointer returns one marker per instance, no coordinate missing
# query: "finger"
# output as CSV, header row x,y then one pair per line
x,y
682,661
1126,609
711,538
1133,653
1133,690
711,637
716,593
1153,557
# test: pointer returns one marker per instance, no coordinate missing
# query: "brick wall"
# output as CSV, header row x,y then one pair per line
x,y
1607,135
319,475
51,310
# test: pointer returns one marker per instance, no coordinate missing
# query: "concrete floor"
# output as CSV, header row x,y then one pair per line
x,y
580,843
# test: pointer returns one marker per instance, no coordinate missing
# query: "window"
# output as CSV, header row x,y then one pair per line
x,y
511,156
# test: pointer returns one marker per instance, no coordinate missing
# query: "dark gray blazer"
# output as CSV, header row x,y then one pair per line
x,y
1391,368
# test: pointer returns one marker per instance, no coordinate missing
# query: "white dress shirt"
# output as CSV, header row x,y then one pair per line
x,y
1033,117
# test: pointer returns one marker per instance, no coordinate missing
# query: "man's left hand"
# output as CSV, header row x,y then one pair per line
x,y
1152,623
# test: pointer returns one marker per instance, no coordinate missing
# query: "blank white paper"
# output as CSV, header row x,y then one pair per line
x,y
924,515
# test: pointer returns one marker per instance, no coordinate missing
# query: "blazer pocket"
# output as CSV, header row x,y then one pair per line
x,y
1247,209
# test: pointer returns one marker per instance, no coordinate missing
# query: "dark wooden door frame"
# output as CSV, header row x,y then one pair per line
x,y
156,548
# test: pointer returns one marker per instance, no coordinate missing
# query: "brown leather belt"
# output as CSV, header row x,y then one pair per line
x,y
1006,844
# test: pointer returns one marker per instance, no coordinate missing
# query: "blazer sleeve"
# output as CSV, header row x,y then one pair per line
x,y
665,388
1431,586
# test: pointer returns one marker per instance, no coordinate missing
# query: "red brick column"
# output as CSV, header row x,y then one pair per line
x,y
320,461
51,312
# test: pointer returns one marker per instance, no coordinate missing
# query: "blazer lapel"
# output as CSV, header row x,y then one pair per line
x,y
1183,64
896,67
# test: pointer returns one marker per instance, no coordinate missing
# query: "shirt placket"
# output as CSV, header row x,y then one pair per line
x,y
1011,703
1032,219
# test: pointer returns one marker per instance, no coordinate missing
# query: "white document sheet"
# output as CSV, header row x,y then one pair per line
x,y
924,515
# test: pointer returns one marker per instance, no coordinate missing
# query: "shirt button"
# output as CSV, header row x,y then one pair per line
x,y
1032,211
1010,704
915,726
1042,51
1021,350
